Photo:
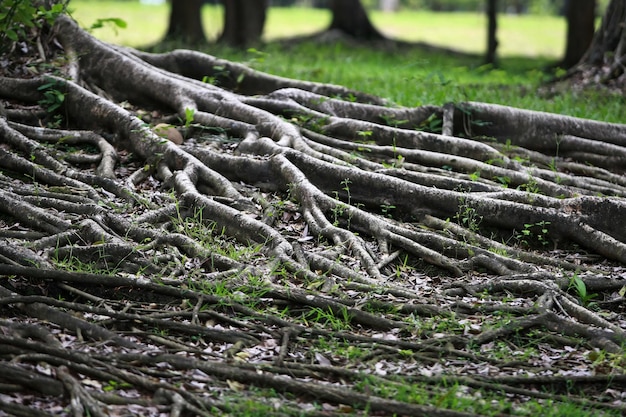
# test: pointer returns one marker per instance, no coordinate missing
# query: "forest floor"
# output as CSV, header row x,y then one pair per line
x,y
285,252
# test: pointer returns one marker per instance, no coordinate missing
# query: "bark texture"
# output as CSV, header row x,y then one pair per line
x,y
604,61
243,22
609,39
581,16
185,22
275,247
350,17
492,28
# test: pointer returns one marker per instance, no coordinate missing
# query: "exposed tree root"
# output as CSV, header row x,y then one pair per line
x,y
310,241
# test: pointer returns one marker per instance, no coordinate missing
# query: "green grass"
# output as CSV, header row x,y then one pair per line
x,y
540,36
414,77
408,77
455,396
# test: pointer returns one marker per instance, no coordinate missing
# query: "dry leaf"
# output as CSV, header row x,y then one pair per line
x,y
235,386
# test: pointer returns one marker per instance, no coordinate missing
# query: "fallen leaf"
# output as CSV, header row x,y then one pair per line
x,y
235,386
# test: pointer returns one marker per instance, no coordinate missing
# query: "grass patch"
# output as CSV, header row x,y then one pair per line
x,y
526,35
197,228
457,397
415,77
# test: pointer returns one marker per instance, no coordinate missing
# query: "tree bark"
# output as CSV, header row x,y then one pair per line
x,y
185,23
492,26
350,17
609,39
244,21
604,61
580,15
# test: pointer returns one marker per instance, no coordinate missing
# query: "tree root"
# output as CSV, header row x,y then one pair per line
x,y
312,242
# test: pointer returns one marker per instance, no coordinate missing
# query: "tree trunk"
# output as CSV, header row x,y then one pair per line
x,y
492,26
350,17
580,15
244,21
186,22
605,59
609,41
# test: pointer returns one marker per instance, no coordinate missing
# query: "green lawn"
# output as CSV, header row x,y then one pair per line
x,y
414,77
539,36
408,77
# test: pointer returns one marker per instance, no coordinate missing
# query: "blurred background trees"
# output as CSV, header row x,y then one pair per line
x,y
350,17
605,58
581,17
508,6
244,20
505,6
185,22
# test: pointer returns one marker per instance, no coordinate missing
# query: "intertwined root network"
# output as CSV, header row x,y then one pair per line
x,y
218,234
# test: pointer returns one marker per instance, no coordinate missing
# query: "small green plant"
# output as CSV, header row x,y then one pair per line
x,y
314,123
432,124
340,208
336,321
113,385
113,22
553,165
605,362
197,227
350,97
18,17
53,99
386,209
397,162
498,251
499,162
467,216
403,267
68,262
189,115
258,57
508,146
531,186
521,160
534,233
390,120
578,285
504,180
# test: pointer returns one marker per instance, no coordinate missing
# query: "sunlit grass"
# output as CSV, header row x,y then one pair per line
x,y
413,77
517,35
